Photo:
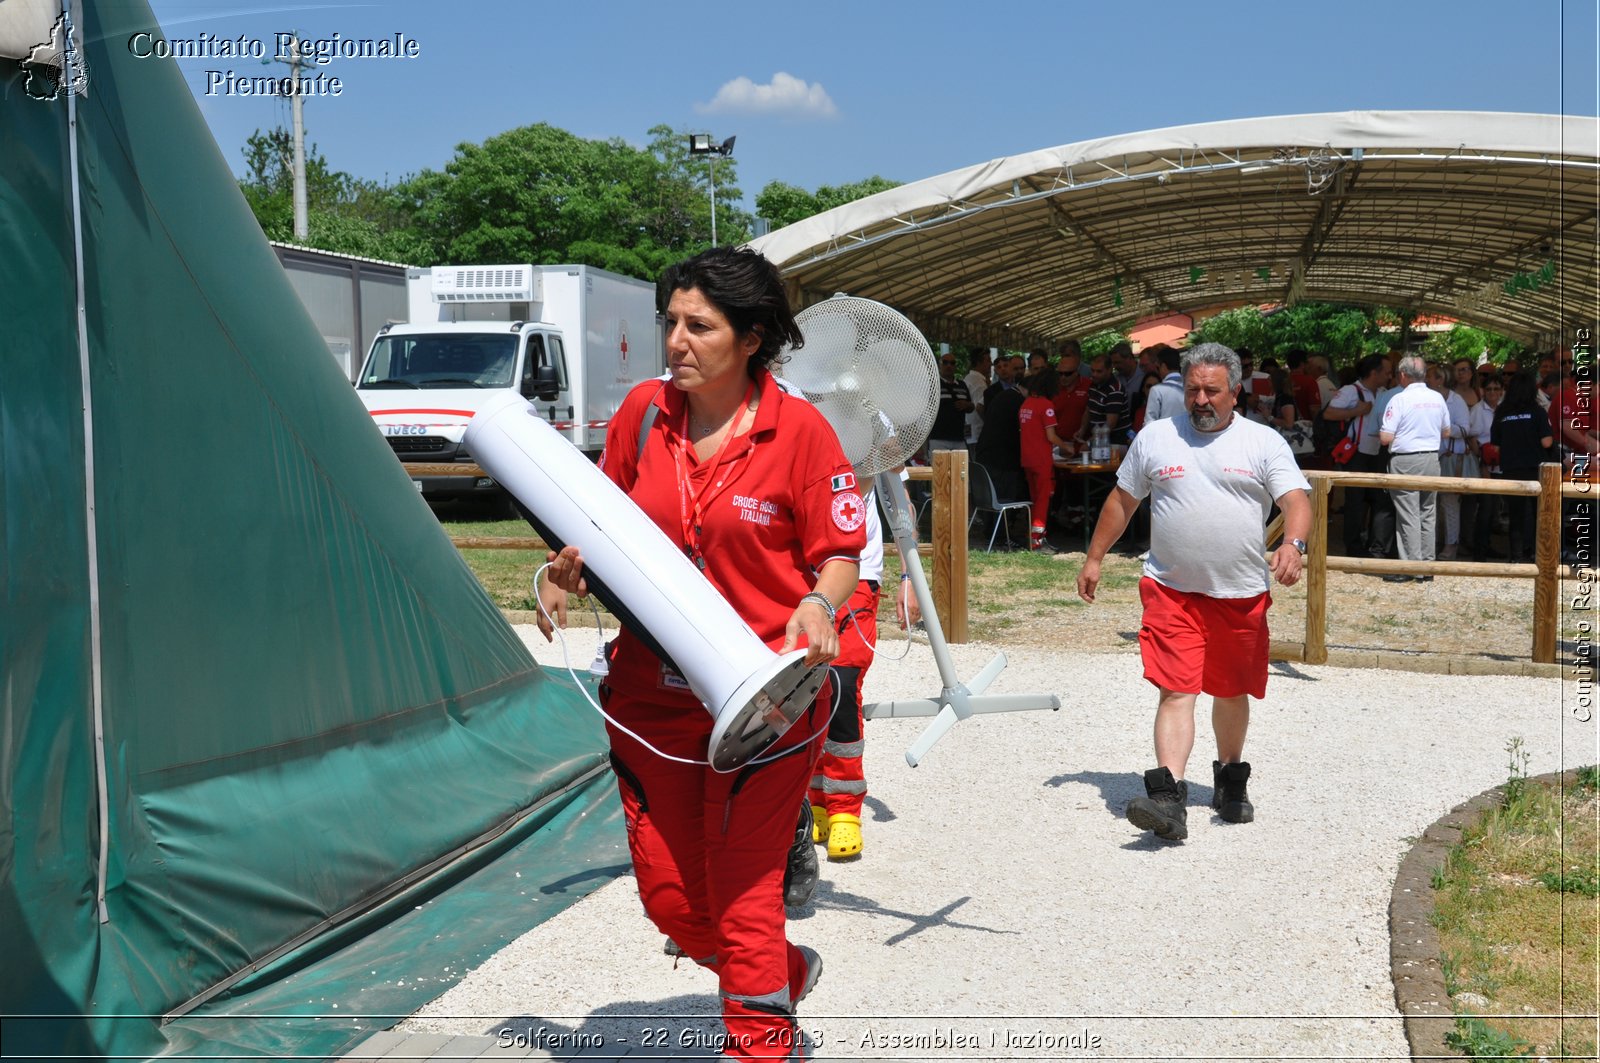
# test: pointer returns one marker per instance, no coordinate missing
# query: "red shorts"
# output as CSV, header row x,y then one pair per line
x,y
1196,644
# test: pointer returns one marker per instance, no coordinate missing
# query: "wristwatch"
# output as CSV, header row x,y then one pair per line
x,y
1300,545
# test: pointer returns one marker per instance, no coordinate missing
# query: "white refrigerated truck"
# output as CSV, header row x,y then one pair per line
x,y
570,339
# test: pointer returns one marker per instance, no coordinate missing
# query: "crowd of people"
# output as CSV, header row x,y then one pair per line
x,y
1019,415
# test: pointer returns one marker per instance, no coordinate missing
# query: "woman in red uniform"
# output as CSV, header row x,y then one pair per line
x,y
1037,419
753,486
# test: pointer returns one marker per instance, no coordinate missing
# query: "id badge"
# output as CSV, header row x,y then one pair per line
x,y
672,679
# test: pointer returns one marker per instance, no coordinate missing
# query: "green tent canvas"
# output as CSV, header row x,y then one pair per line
x,y
305,703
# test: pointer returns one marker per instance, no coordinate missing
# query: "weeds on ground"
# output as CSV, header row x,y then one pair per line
x,y
1508,929
1476,1039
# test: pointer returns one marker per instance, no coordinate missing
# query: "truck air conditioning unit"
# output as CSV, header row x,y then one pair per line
x,y
487,284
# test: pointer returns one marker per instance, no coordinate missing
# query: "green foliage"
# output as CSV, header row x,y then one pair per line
x,y
784,204
1476,1039
1465,341
343,214
1098,343
1589,777
1578,879
1516,788
1243,327
1343,333
535,194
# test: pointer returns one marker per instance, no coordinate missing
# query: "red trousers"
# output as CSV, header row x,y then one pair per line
x,y
1041,485
839,784
709,851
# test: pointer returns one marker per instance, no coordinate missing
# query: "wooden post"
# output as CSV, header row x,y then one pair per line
x,y
950,542
1547,555
1316,651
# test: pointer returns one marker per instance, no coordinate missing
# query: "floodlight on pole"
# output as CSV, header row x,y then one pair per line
x,y
700,144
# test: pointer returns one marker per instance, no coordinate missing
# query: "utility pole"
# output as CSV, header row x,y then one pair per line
x,y
296,108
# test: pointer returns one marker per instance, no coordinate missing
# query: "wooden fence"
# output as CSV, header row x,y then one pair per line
x,y
948,549
1546,570
951,514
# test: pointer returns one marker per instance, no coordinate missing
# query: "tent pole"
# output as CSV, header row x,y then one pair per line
x,y
96,679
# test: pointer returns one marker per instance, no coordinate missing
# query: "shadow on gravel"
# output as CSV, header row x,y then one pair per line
x,y
561,885
1289,671
1117,788
881,813
827,896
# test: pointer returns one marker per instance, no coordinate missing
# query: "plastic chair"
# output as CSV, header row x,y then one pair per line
x,y
985,499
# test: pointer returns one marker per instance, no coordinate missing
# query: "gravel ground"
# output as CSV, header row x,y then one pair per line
x,y
1004,908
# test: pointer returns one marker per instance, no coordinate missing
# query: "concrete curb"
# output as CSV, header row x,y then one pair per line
x,y
1419,991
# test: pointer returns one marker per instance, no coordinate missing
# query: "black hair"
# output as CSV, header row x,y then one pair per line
x,y
1297,357
746,289
1045,382
1368,365
1520,396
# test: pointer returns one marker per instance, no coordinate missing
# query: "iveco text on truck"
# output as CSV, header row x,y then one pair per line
x,y
570,339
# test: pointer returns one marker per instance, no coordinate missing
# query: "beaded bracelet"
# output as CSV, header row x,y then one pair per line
x,y
822,600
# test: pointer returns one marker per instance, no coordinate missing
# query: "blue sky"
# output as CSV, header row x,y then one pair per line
x,y
825,92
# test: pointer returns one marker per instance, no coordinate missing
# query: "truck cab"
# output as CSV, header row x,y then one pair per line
x,y
559,336
422,384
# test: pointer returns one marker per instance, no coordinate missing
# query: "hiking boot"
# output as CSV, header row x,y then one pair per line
x,y
844,836
1228,794
813,972
1162,809
800,873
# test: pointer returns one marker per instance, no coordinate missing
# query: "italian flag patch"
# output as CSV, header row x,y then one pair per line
x,y
845,481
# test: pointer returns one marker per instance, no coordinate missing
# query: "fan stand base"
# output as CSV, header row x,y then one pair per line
x,y
762,709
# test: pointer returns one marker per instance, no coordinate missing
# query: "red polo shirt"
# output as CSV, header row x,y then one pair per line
x,y
782,503
1071,402
1307,395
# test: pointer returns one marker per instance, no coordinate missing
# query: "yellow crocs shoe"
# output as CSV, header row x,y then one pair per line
x,y
819,824
844,836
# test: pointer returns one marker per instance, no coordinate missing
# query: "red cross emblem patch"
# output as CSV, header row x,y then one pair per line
x,y
849,511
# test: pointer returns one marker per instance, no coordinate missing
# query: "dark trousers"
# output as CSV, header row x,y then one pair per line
x,y
1362,504
1523,511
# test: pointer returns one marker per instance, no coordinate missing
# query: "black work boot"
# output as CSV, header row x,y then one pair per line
x,y
1228,795
1162,809
800,874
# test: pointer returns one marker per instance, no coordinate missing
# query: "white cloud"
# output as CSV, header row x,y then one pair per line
x,y
786,95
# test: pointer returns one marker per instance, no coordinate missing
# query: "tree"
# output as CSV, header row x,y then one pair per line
x,y
784,204
541,194
1466,341
343,214
1097,343
1241,327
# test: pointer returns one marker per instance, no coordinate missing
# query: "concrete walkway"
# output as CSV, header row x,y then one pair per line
x,y
1004,908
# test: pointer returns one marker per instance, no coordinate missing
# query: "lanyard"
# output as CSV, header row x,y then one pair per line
x,y
691,503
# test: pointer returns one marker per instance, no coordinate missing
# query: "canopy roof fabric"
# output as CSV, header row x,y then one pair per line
x,y
1488,217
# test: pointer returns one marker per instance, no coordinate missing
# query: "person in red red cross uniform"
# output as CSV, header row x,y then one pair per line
x,y
746,481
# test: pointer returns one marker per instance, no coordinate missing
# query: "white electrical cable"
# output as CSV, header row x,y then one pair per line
x,y
566,662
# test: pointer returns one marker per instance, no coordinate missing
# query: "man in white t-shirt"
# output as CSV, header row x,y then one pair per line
x,y
1355,407
1212,477
1415,422
977,381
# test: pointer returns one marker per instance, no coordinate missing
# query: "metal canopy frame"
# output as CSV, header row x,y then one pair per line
x,y
1490,218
